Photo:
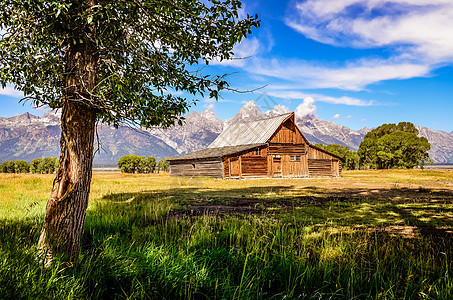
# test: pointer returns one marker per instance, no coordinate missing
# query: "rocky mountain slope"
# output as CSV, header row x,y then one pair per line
x,y
28,137
198,132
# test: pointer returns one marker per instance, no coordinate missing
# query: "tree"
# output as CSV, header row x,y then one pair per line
x,y
151,164
351,158
35,165
163,165
109,61
47,165
21,166
129,163
394,146
147,165
8,167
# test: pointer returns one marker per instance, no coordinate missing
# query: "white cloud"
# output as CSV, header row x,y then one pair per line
x,y
362,120
277,110
336,116
348,117
306,108
210,106
418,29
290,94
352,76
10,91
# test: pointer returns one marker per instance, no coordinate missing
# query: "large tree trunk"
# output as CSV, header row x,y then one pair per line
x,y
66,209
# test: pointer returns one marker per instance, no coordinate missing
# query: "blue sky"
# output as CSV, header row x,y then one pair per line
x,y
358,63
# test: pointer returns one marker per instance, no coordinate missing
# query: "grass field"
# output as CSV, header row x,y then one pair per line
x,y
369,234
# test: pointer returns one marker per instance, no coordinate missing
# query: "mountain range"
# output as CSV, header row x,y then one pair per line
x,y
27,136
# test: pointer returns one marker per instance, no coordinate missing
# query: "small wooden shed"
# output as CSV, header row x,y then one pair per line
x,y
271,147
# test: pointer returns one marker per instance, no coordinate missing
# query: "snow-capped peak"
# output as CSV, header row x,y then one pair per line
x,y
209,115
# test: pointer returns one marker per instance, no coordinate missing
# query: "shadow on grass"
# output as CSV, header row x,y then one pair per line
x,y
426,211
250,243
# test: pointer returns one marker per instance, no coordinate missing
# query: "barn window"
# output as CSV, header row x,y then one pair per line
x,y
258,151
292,158
297,158
193,166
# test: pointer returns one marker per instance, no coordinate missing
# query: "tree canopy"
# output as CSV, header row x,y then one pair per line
x,y
110,61
394,146
141,52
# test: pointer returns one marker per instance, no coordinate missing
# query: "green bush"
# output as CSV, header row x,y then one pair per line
x,y
147,165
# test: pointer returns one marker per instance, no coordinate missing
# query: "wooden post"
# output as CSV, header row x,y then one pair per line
x,y
240,167
229,167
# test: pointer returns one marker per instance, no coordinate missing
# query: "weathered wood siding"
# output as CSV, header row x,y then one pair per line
x,y
254,166
234,167
197,168
322,164
314,153
320,167
280,149
336,166
287,133
245,165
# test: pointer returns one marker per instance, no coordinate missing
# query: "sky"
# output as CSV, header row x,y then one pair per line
x,y
357,63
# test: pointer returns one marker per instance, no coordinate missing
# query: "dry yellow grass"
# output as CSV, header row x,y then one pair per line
x,y
380,234
379,197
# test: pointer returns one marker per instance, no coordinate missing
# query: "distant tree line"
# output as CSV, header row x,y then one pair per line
x,y
46,165
142,164
388,146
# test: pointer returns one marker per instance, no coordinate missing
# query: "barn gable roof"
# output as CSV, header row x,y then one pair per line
x,y
216,152
249,133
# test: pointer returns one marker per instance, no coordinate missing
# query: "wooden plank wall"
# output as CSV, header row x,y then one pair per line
x,y
314,153
280,149
287,134
320,167
226,168
254,166
292,168
197,168
319,158
234,167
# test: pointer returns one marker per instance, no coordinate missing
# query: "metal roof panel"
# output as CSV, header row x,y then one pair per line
x,y
253,132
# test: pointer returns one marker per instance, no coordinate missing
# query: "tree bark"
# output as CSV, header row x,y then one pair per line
x,y
66,209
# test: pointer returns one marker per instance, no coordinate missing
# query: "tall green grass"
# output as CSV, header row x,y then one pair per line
x,y
142,246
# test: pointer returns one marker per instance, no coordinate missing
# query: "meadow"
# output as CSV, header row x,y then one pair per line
x,y
377,234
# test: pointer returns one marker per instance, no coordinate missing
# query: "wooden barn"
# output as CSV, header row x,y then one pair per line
x,y
272,147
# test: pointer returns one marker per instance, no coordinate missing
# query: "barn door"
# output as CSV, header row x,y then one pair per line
x,y
234,167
